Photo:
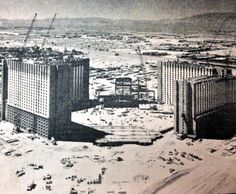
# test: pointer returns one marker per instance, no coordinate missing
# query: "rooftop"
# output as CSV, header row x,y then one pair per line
x,y
40,55
208,78
192,64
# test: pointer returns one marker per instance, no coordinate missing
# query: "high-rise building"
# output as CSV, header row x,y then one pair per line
x,y
40,96
80,84
170,71
205,106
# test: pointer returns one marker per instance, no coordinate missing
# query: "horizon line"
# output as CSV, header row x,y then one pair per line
x,y
106,18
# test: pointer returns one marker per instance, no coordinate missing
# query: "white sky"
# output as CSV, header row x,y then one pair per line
x,y
118,9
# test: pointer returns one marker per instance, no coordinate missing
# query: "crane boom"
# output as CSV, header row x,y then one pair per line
x,y
142,67
17,116
225,20
48,31
29,30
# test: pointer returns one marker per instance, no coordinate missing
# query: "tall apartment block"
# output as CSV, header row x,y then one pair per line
x,y
170,71
80,83
205,106
40,96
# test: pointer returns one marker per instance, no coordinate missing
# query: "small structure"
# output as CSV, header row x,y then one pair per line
x,y
127,94
123,86
73,191
31,186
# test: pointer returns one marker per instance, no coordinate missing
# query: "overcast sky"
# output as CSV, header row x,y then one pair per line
x,y
118,9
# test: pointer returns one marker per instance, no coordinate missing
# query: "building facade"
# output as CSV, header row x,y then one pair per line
x,y
170,71
40,97
205,106
123,86
80,90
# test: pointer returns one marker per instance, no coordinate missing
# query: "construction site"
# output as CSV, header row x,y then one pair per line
x,y
94,112
42,87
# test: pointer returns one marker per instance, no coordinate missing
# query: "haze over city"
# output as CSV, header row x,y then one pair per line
x,y
116,9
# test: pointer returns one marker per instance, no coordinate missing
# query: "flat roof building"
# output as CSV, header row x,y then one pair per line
x,y
40,95
170,71
205,106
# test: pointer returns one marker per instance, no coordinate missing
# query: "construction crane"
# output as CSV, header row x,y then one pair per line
x,y
220,28
48,31
225,20
17,117
142,68
230,50
29,30
221,25
141,87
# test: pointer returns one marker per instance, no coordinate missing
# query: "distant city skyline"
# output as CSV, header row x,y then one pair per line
x,y
113,9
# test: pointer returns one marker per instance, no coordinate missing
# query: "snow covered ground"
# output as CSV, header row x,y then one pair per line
x,y
128,168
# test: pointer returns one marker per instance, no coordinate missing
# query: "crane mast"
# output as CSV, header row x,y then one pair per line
x,y
29,30
48,31
143,70
18,116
